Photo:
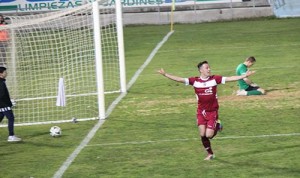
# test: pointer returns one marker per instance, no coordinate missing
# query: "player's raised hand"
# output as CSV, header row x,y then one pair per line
x,y
249,72
161,71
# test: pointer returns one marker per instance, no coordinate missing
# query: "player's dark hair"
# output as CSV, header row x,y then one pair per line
x,y
3,19
251,59
201,63
2,69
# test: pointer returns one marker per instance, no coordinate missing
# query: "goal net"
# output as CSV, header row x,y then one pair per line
x,y
60,64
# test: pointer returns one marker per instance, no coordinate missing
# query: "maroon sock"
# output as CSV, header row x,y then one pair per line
x,y
215,133
206,144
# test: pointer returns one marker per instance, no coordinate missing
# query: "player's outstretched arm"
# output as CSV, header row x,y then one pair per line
x,y
172,77
235,78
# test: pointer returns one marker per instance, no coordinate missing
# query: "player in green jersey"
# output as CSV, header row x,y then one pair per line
x,y
246,86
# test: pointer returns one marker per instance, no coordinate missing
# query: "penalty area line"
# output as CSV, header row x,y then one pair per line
x,y
188,139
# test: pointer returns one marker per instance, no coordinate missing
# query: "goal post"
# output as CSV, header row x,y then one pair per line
x,y
66,64
121,46
99,62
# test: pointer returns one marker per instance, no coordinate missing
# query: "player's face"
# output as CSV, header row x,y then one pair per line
x,y
250,64
4,74
205,70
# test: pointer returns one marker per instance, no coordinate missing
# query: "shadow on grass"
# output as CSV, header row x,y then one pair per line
x,y
264,150
279,89
248,164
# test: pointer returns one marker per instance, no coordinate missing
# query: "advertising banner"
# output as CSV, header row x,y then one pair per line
x,y
12,6
286,8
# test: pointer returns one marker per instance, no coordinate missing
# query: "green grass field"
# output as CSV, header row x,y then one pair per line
x,y
152,131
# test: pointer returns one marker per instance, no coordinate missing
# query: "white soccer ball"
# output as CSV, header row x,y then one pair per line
x,y
55,131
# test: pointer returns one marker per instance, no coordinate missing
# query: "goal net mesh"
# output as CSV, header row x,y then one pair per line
x,y
53,54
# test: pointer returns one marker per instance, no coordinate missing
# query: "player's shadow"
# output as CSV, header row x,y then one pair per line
x,y
263,151
278,89
257,164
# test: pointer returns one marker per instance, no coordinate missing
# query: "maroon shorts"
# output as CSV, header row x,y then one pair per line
x,y
208,118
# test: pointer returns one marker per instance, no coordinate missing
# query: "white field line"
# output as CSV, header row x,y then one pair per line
x,y
138,72
150,57
91,134
188,139
228,47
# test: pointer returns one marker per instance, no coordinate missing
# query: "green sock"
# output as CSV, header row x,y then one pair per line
x,y
253,92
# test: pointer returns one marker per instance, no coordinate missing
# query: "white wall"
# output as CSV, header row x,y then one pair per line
x,y
199,14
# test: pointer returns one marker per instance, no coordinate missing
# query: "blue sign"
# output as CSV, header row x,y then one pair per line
x,y
286,8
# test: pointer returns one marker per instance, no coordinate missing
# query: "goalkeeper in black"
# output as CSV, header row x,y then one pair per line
x,y
6,106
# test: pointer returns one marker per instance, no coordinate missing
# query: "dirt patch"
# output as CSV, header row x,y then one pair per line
x,y
271,95
274,99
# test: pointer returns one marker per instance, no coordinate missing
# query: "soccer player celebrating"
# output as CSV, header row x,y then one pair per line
x,y
205,87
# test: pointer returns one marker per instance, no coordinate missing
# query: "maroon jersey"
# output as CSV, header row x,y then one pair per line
x,y
206,92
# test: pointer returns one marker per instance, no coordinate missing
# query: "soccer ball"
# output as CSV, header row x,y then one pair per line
x,y
55,131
